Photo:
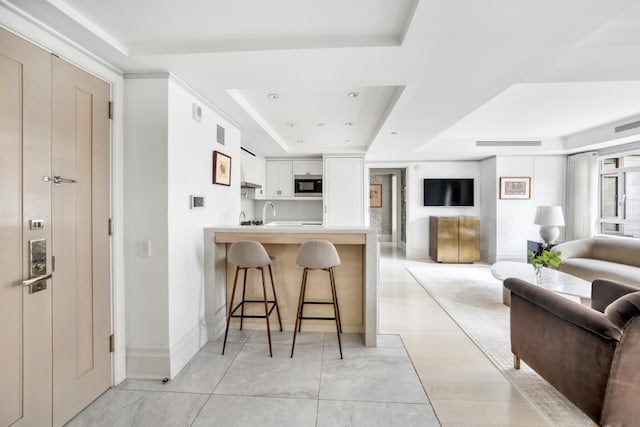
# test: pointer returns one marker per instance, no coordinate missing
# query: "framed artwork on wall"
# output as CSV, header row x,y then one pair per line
x,y
515,187
375,195
221,168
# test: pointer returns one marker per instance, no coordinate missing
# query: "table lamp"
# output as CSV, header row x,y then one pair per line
x,y
549,218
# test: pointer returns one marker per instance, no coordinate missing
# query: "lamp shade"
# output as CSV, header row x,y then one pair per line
x,y
549,216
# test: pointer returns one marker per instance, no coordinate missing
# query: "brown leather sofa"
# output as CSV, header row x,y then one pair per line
x,y
590,355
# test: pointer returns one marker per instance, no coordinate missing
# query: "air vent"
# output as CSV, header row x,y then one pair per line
x,y
508,143
628,126
220,134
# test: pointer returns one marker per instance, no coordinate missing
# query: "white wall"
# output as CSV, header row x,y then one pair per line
x,y
191,146
146,211
505,225
169,158
488,210
514,219
418,214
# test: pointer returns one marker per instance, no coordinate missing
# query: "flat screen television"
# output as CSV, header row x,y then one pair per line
x,y
448,192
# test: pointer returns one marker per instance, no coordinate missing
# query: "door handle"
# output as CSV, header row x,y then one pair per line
x,y
36,279
57,179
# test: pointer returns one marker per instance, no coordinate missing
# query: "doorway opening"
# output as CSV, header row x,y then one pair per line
x,y
387,207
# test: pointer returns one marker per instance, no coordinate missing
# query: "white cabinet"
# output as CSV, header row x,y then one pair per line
x,y
279,178
253,173
343,183
307,167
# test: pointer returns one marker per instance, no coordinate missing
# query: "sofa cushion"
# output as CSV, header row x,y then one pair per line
x,y
624,309
590,269
619,250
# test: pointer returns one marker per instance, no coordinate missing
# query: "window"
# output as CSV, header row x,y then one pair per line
x,y
620,195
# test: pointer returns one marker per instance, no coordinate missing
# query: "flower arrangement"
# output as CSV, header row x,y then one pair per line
x,y
545,258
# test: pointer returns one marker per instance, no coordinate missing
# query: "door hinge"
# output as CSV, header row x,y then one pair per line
x,y
111,109
110,226
112,343
53,264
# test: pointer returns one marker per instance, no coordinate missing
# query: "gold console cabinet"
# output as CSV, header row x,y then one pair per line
x,y
454,239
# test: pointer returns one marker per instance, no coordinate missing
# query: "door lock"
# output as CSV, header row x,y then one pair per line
x,y
38,266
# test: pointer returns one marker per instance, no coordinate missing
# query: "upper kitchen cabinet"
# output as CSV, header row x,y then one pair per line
x,y
253,173
279,178
307,167
344,191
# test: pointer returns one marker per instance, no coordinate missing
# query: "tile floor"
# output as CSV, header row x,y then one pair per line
x,y
381,386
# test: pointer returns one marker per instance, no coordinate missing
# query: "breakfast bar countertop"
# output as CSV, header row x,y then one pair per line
x,y
359,244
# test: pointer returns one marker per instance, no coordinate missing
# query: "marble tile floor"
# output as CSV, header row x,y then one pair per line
x,y
245,387
420,349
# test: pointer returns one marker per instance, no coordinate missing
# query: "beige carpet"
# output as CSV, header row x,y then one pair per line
x,y
473,298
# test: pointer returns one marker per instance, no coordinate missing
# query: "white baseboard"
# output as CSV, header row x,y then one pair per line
x,y
487,256
187,346
217,323
158,363
148,363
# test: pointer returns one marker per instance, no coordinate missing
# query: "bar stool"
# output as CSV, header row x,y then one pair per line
x,y
246,254
318,255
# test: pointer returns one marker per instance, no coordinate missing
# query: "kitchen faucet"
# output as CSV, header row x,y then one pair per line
x,y
264,211
242,218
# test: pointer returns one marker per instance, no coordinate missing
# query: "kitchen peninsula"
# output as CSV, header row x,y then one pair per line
x,y
356,276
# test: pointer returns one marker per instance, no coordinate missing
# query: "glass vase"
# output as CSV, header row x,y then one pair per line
x,y
538,270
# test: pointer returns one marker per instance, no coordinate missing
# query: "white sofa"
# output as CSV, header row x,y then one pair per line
x,y
610,258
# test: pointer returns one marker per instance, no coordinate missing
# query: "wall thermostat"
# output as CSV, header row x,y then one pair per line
x,y
197,112
196,202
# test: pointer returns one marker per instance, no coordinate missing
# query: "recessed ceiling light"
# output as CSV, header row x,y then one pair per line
x,y
353,94
300,141
394,133
289,125
348,124
320,124
273,95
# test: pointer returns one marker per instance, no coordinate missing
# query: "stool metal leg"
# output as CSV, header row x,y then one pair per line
x,y
233,293
335,309
299,311
275,298
244,289
266,310
332,277
303,290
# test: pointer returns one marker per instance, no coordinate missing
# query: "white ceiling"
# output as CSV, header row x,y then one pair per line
x,y
433,76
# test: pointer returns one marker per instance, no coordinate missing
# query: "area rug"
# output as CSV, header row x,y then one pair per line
x,y
473,299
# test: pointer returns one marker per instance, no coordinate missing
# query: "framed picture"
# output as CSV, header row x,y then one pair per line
x,y
375,195
221,168
515,187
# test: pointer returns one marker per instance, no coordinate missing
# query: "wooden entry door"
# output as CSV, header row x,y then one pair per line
x,y
81,246
54,342
25,157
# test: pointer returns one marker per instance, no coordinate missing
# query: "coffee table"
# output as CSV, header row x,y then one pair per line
x,y
569,286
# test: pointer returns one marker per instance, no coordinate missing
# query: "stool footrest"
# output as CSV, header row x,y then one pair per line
x,y
317,318
253,316
318,302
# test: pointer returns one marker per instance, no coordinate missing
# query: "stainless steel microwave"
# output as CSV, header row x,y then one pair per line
x,y
308,185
